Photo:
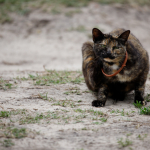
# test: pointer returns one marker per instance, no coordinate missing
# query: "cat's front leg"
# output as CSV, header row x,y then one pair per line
x,y
101,98
139,95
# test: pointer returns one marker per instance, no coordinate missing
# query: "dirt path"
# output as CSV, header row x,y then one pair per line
x,y
42,115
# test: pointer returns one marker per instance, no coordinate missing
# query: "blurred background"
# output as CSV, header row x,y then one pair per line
x,y
50,33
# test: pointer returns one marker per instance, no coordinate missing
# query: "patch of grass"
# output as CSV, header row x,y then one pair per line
x,y
77,92
142,137
97,123
138,104
129,134
145,111
5,84
147,98
84,128
24,7
44,97
15,133
4,114
7,6
7,143
103,119
65,103
31,119
124,143
79,101
57,77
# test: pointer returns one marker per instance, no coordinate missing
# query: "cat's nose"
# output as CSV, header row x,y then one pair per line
x,y
109,53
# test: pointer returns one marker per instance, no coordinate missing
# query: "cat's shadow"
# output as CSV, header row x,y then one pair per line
x,y
129,99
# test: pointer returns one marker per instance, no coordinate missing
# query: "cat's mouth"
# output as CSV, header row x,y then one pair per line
x,y
109,59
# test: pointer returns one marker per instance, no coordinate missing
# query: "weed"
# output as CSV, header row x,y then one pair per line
x,y
65,103
142,137
138,104
30,119
84,128
96,123
129,134
77,92
7,143
122,112
79,101
4,114
57,77
145,111
103,119
147,98
24,7
5,84
15,133
125,143
44,97
113,111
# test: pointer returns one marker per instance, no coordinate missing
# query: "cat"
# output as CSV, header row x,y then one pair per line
x,y
114,64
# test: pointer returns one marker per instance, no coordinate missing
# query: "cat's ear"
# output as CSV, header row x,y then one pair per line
x,y
124,35
97,35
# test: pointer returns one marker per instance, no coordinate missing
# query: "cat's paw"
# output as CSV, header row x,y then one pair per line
x,y
97,103
144,102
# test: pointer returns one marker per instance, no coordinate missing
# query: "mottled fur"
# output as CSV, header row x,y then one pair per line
x,y
108,52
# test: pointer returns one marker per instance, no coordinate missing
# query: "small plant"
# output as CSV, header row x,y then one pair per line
x,y
5,84
138,104
147,98
141,137
113,111
125,143
145,111
79,101
15,132
96,123
103,119
44,97
7,143
4,114
84,128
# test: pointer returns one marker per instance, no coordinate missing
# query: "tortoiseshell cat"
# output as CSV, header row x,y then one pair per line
x,y
110,52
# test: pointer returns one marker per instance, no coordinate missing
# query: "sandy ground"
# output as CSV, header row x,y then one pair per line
x,y
55,41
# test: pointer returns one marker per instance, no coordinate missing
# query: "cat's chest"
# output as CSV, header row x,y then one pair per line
x,y
122,76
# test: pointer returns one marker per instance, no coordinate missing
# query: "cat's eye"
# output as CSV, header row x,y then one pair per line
x,y
103,46
115,47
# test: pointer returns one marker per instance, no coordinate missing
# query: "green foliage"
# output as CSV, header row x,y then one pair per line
x,y
5,84
124,143
141,137
15,132
24,7
4,114
103,119
145,111
7,143
57,77
147,98
138,104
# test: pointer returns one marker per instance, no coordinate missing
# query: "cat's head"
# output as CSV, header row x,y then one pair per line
x,y
108,48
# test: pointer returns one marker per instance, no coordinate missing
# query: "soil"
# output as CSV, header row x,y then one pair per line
x,y
41,40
